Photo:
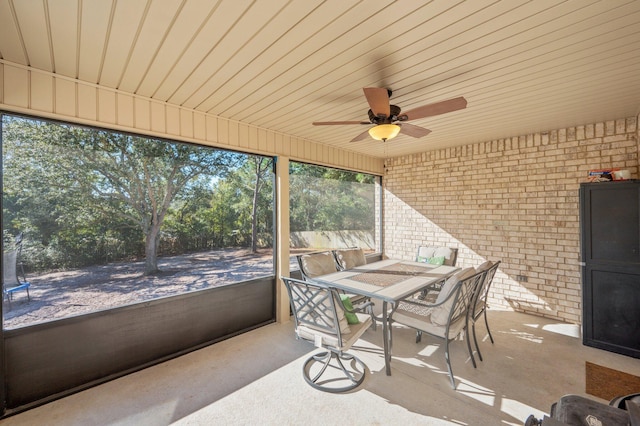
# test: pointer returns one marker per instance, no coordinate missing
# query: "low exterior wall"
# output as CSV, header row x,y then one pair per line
x,y
49,360
332,239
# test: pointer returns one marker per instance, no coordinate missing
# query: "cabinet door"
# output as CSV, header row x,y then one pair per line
x,y
610,225
613,311
613,224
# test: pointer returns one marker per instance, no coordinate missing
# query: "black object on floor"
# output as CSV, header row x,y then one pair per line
x,y
575,410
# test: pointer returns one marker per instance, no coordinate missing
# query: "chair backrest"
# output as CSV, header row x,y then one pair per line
x,y
455,297
9,269
316,312
316,264
462,303
349,258
480,298
430,253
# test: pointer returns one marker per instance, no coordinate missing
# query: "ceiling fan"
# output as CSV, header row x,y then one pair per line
x,y
389,119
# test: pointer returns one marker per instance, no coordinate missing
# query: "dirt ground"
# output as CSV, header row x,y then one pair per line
x,y
68,293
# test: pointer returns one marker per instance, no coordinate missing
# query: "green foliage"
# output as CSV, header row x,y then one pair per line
x,y
325,199
89,196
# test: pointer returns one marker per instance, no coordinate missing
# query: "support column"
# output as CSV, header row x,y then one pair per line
x,y
282,238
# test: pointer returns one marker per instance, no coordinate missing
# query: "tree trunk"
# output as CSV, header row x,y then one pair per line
x,y
254,218
151,250
261,167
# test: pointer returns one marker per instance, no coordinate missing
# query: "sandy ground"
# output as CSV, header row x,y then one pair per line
x,y
63,294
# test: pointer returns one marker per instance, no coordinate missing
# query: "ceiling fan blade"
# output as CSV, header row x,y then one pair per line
x,y
332,123
361,136
414,131
378,100
436,108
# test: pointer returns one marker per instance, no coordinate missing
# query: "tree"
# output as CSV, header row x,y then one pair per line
x,y
247,193
326,199
188,223
261,168
133,177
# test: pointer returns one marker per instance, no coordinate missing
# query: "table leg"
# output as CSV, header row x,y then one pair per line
x,y
386,335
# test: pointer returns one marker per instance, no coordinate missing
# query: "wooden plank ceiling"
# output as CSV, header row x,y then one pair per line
x,y
523,66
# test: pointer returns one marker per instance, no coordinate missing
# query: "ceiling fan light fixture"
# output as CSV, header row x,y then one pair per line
x,y
384,132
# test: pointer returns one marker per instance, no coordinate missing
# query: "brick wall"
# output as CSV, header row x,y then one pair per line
x,y
514,200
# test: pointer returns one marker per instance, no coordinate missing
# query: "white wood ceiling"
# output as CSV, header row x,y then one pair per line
x,y
523,66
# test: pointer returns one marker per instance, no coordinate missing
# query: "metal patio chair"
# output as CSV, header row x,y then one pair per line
x,y
479,302
447,317
313,265
319,317
11,283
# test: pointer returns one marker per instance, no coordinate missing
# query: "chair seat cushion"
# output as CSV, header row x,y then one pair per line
x,y
428,252
317,264
421,319
350,258
330,339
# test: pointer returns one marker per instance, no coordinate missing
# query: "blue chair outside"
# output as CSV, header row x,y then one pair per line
x,y
10,281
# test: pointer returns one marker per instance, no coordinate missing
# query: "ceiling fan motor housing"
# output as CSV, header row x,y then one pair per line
x,y
394,115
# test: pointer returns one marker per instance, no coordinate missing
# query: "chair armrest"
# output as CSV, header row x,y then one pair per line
x,y
359,308
431,288
437,286
423,303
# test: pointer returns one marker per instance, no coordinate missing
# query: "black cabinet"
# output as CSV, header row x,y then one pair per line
x,y
610,251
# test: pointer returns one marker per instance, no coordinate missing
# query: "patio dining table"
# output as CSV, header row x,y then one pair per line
x,y
390,281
